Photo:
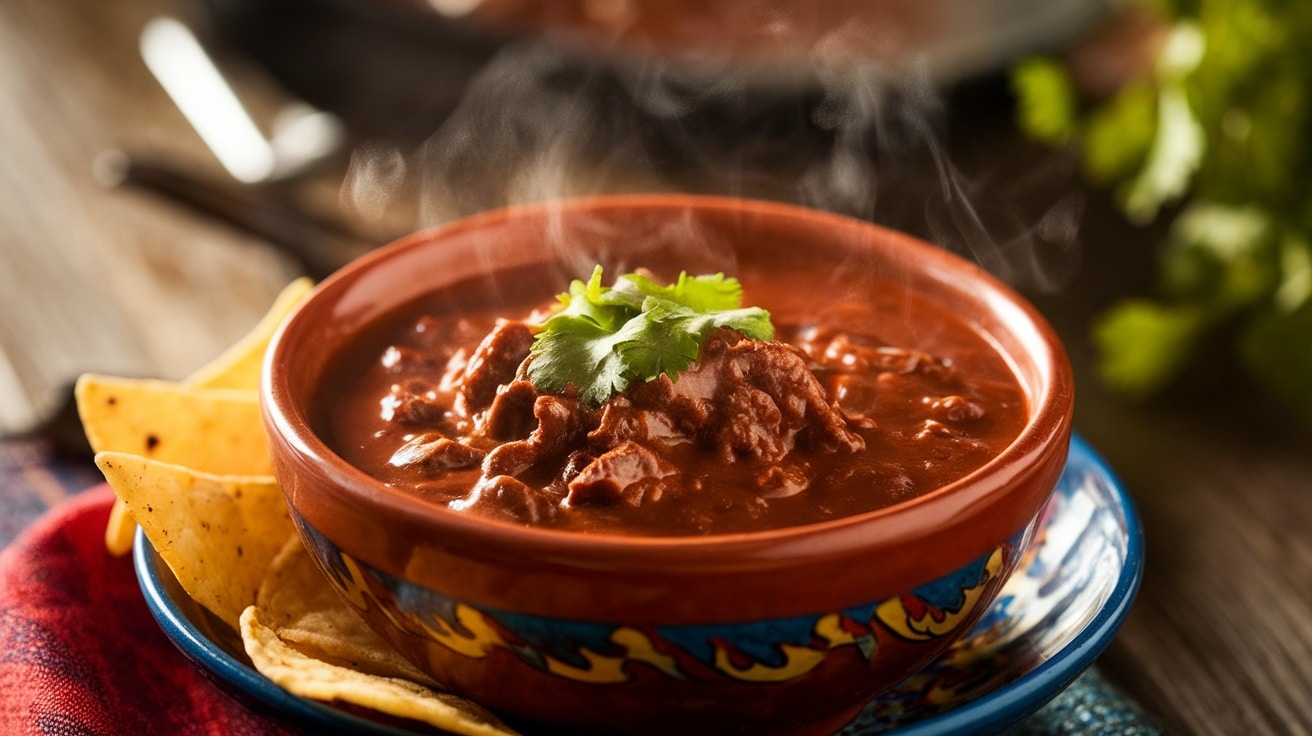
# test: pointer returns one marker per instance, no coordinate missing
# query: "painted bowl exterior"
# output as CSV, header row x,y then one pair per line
x,y
782,631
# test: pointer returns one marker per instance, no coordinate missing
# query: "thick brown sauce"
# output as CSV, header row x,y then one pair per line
x,y
941,404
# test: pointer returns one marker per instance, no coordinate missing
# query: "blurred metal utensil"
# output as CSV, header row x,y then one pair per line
x,y
320,243
301,135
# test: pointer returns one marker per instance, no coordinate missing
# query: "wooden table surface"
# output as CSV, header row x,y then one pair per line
x,y
1219,640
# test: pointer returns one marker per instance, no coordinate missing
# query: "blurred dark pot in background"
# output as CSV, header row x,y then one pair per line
x,y
397,68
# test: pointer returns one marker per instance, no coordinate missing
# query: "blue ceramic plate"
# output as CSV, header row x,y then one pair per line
x,y
1055,615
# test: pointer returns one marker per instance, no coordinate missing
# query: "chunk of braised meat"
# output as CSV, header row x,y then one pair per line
x,y
414,403
751,426
743,399
416,400
436,453
842,361
510,417
561,424
781,481
574,464
628,474
837,351
494,363
402,360
686,406
956,409
653,414
430,349
766,401
504,497
512,459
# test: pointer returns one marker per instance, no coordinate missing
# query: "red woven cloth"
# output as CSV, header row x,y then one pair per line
x,y
80,654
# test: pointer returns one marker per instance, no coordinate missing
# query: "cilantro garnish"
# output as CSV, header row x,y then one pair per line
x,y
1213,134
603,339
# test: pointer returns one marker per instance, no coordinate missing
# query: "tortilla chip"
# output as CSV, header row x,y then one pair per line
x,y
298,602
307,677
120,529
219,534
173,422
210,430
239,366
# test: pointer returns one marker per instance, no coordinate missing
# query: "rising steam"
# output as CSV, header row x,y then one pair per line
x,y
866,140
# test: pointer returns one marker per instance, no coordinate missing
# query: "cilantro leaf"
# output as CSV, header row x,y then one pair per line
x,y
576,351
1174,158
1217,125
706,293
595,303
1118,135
1045,97
1144,345
602,339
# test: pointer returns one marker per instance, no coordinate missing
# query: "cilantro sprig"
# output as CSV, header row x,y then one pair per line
x,y
1214,134
603,339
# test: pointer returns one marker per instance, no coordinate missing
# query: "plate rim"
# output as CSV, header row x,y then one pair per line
x,y
1024,696
992,711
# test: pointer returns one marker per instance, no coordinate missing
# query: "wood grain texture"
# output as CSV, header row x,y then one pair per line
x,y
93,279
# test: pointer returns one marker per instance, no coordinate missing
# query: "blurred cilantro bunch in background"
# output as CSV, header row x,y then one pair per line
x,y
1217,130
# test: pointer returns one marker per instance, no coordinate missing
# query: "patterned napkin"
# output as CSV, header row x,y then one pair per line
x,y
79,651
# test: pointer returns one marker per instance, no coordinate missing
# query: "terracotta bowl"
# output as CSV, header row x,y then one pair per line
x,y
784,631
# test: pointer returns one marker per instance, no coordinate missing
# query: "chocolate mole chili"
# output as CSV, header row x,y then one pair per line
x,y
866,398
